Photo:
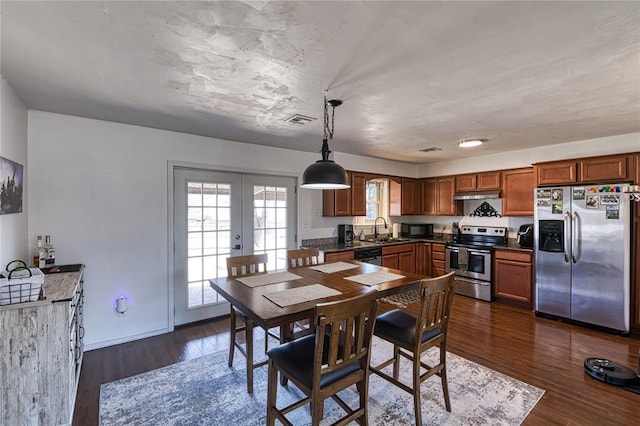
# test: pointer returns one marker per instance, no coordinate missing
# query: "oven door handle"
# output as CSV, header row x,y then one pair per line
x,y
471,251
471,281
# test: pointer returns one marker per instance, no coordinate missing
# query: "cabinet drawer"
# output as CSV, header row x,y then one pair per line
x,y
516,256
403,248
343,255
438,255
437,247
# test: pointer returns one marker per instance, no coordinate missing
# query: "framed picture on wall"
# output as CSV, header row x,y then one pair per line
x,y
10,186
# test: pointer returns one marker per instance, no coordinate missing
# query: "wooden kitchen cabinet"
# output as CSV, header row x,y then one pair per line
x,y
478,181
429,196
556,173
446,206
423,259
610,168
517,192
341,255
437,197
601,169
399,257
513,277
358,194
42,354
437,259
404,197
346,202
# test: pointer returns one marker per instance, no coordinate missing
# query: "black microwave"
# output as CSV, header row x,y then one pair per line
x,y
412,230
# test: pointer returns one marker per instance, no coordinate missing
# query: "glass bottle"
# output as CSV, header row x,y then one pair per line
x,y
50,252
39,254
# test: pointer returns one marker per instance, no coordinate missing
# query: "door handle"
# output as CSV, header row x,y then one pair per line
x,y
565,236
575,249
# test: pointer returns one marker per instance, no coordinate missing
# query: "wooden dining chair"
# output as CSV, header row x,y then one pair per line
x,y
239,266
303,257
335,357
412,335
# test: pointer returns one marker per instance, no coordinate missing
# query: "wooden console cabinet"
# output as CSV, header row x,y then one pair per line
x,y
42,345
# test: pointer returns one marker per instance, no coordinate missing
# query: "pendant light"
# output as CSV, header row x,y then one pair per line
x,y
325,173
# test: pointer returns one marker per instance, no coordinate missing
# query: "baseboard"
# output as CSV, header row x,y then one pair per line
x,y
125,339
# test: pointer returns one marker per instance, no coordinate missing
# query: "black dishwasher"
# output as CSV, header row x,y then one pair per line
x,y
371,255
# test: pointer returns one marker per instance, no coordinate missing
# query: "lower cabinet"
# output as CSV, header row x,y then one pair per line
x,y
437,259
42,345
400,257
513,277
423,259
342,255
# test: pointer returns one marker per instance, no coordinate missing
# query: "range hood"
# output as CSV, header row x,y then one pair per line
x,y
477,195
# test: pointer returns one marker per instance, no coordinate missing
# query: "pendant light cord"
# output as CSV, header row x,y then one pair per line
x,y
328,132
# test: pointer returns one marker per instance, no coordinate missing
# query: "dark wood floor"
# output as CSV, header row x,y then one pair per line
x,y
545,353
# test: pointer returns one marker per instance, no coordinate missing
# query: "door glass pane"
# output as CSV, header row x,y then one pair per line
x,y
270,225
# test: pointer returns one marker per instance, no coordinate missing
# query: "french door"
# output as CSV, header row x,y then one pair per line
x,y
220,214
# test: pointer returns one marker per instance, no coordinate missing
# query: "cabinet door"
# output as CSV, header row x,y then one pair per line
x,y
466,182
610,168
423,259
513,277
391,261
445,190
358,194
336,202
557,172
488,180
410,196
395,197
407,261
429,198
517,192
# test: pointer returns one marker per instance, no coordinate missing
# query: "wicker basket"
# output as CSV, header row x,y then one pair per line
x,y
21,284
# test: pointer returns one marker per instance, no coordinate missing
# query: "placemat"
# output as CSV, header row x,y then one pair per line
x,y
328,268
374,278
264,279
293,296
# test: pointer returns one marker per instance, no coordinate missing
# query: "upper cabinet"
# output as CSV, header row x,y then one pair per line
x,y
478,181
405,196
358,194
608,168
517,192
437,197
346,202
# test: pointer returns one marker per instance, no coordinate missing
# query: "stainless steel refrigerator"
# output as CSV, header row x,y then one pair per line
x,y
582,254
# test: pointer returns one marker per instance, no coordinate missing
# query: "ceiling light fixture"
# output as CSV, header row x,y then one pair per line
x,y
325,173
468,143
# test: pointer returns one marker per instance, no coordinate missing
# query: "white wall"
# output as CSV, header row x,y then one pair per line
x,y
100,190
13,145
526,157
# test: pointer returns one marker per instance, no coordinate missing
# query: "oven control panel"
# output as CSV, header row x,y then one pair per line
x,y
493,231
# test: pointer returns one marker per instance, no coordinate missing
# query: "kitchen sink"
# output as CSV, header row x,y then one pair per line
x,y
386,240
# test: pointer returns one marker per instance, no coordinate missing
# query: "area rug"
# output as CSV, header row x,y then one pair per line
x,y
205,391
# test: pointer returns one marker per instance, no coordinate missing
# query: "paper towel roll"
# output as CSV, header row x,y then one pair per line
x,y
396,229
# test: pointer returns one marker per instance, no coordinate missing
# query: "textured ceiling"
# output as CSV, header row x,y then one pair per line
x,y
412,75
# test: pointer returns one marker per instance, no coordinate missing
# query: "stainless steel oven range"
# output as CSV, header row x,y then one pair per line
x,y
471,257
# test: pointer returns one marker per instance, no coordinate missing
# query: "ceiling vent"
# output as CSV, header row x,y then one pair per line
x,y
299,119
433,148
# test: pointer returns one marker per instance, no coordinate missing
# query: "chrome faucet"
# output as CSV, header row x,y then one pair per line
x,y
375,226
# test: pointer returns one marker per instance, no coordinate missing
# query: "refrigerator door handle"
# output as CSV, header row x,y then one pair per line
x,y
567,218
575,249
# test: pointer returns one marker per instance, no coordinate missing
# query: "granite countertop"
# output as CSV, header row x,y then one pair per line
x,y
437,238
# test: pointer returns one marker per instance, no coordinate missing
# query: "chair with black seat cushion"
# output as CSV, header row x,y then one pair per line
x,y
303,257
335,357
239,266
412,335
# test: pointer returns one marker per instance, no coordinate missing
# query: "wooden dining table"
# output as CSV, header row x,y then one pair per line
x,y
265,313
